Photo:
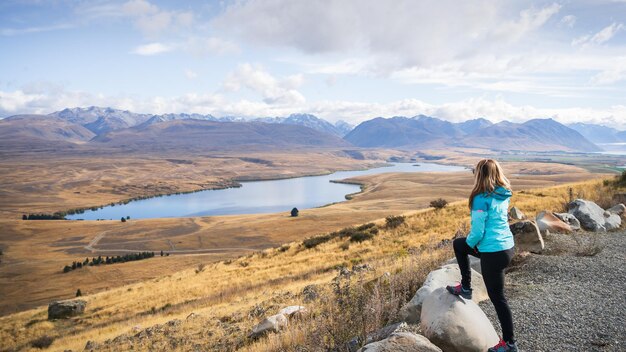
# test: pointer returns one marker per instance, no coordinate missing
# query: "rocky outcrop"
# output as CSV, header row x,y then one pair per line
x,y
275,323
402,342
440,278
592,217
618,209
516,214
527,236
293,312
569,219
546,220
66,309
455,324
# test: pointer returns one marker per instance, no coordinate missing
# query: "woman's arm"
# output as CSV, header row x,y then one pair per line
x,y
480,212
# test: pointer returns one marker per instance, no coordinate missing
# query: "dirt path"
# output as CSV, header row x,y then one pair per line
x,y
570,298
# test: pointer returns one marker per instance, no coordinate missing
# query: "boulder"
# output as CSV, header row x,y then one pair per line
x,y
569,219
293,311
455,324
546,220
275,323
440,278
402,342
66,309
516,214
618,209
592,217
527,236
385,332
474,263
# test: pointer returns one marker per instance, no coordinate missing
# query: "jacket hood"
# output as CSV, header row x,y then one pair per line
x,y
501,193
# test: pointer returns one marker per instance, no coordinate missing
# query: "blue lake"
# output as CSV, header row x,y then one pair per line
x,y
255,196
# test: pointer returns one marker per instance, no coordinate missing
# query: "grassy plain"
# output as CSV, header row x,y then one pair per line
x,y
36,251
226,294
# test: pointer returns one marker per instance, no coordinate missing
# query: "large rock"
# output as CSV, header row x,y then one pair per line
x,y
546,220
592,217
516,214
293,311
402,342
440,278
474,263
275,323
618,209
527,236
455,324
66,309
569,219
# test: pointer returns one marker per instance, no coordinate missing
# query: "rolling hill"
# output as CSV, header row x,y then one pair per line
x,y
41,129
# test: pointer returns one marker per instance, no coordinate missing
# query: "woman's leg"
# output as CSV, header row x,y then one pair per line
x,y
492,266
461,252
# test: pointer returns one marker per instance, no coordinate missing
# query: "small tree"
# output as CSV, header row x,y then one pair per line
x,y
161,253
78,293
123,219
67,269
439,203
127,217
294,212
24,217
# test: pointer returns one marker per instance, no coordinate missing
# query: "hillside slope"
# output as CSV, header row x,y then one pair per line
x,y
41,129
210,135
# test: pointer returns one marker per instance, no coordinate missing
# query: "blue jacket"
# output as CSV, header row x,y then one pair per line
x,y
490,226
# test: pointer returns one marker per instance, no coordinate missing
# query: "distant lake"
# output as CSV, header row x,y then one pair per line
x,y
255,197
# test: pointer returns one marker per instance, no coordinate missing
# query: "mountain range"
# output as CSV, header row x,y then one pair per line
x,y
107,127
429,132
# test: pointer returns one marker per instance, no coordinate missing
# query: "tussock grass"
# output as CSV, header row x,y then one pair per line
x,y
225,293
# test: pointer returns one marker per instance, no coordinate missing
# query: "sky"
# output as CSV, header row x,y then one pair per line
x,y
349,60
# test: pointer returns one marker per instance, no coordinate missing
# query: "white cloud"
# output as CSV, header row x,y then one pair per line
x,y
568,21
201,46
260,81
409,33
190,74
7,32
152,49
601,37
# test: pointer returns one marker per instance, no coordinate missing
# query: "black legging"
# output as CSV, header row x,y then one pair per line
x,y
492,266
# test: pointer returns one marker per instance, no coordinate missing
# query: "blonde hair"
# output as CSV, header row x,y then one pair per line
x,y
488,176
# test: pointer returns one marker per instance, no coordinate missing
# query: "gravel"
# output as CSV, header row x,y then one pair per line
x,y
569,299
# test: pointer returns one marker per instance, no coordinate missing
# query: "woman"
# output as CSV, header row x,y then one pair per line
x,y
490,240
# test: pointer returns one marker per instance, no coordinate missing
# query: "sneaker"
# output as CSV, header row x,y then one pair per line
x,y
504,347
459,290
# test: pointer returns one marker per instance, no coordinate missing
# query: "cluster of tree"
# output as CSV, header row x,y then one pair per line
x,y
108,260
54,216
125,218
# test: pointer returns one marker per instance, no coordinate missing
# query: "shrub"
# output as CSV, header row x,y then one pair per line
x,y
42,342
24,217
78,293
361,236
391,222
123,219
294,212
200,268
439,203
345,246
313,242
284,248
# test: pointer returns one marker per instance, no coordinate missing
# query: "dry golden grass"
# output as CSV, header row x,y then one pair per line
x,y
29,278
227,291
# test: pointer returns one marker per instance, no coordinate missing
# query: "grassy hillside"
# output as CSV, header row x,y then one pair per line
x,y
232,296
